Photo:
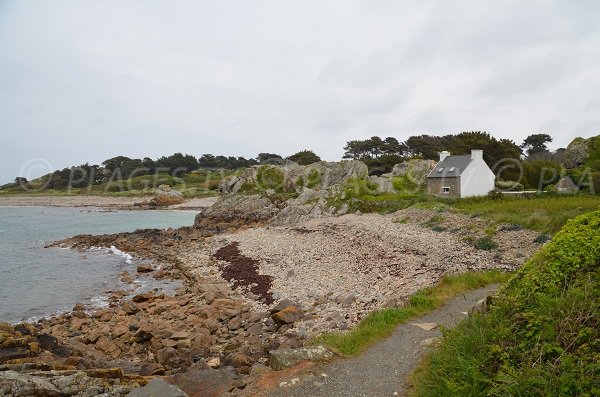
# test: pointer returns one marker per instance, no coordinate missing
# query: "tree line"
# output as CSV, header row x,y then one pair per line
x,y
380,155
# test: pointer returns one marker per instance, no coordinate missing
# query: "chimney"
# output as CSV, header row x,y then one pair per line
x,y
443,155
476,154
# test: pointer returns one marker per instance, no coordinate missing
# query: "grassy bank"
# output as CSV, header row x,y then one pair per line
x,y
381,323
546,213
539,337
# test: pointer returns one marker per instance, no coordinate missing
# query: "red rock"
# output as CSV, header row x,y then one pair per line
x,y
143,297
130,307
287,315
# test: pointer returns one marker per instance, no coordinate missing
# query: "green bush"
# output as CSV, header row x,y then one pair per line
x,y
511,186
359,187
495,194
314,179
539,337
405,184
270,177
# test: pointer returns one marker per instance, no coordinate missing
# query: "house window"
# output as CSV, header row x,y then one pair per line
x,y
446,189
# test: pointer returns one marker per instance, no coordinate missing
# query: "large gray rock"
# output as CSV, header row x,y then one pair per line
x,y
308,205
238,208
230,184
416,168
285,358
206,382
384,184
157,388
168,191
18,384
577,152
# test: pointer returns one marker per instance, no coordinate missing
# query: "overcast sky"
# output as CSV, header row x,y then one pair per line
x,y
82,81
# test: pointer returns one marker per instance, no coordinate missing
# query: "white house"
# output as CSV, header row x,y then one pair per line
x,y
461,176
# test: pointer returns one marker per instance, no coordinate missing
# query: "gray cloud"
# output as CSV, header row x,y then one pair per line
x,y
83,81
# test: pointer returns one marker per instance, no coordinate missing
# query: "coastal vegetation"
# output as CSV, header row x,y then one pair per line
x,y
531,164
540,335
379,324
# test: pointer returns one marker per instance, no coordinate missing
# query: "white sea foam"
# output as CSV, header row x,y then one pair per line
x,y
116,251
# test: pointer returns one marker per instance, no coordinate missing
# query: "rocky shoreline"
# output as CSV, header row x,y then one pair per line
x,y
105,202
262,276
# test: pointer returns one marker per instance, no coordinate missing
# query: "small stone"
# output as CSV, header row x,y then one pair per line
x,y
214,362
180,335
144,268
254,329
284,358
426,326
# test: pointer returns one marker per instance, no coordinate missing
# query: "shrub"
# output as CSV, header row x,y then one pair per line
x,y
405,184
511,186
314,179
539,337
305,157
358,187
485,243
550,188
511,228
495,194
542,238
270,177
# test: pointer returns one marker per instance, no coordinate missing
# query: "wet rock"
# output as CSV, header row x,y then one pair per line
x,y
144,268
143,297
284,358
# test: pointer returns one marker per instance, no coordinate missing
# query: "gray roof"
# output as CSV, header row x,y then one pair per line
x,y
452,167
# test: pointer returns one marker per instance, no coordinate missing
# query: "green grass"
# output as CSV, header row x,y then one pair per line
x,y
381,323
545,213
539,337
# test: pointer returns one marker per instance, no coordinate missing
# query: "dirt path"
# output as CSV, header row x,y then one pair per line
x,y
382,370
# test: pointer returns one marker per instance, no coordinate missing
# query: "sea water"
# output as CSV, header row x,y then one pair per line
x,y
37,282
